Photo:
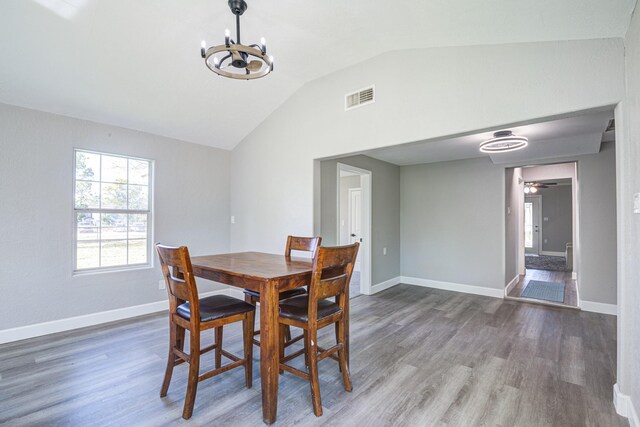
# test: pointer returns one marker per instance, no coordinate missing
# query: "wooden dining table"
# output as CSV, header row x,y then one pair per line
x,y
268,274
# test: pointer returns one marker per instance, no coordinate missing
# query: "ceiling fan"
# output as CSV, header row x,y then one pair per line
x,y
532,187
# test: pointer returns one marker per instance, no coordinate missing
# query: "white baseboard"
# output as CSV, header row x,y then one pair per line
x,y
232,291
624,406
456,287
379,287
70,323
598,307
552,253
511,284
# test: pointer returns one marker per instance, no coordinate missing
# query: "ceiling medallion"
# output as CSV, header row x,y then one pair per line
x,y
504,141
235,60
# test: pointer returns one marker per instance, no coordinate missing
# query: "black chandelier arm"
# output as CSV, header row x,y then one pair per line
x,y
224,59
259,47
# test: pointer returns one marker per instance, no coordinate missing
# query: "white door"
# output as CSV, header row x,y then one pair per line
x,y
532,230
355,220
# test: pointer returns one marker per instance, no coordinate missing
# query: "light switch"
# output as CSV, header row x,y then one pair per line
x,y
636,203
233,219
546,218
384,251
508,210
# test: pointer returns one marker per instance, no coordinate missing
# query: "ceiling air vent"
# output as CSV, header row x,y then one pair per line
x,y
358,99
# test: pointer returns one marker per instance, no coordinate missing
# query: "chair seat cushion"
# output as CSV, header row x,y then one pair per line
x,y
283,295
216,307
297,308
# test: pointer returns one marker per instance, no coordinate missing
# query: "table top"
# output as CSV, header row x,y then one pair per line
x,y
254,265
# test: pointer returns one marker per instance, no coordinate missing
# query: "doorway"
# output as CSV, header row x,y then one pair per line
x,y
354,221
546,199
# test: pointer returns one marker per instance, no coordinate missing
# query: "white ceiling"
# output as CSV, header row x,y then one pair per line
x,y
547,140
136,64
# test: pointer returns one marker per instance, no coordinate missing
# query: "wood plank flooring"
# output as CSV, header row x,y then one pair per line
x,y
570,293
419,357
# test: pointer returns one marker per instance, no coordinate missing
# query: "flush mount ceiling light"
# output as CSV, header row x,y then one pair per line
x,y
235,60
504,141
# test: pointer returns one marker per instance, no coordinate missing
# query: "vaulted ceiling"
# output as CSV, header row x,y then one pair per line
x,y
136,64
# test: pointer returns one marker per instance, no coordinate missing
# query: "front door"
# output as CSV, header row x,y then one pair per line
x,y
532,230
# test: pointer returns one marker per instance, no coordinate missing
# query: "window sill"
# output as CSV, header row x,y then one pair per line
x,y
120,269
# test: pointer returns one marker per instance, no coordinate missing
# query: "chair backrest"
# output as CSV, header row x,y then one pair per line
x,y
331,275
179,278
307,244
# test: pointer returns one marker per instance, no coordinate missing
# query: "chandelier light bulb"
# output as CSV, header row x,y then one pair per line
x,y
203,46
263,45
534,190
227,33
526,190
216,61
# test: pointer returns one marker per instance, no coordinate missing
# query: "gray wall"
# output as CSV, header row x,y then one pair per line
x,y
513,222
628,159
452,222
346,183
191,206
597,225
557,230
385,216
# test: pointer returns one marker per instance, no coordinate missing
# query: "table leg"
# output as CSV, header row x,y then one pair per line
x,y
269,363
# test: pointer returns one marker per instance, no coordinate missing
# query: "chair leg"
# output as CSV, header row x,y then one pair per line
x,y
247,335
171,360
342,354
306,347
337,341
194,372
218,335
281,340
287,333
313,373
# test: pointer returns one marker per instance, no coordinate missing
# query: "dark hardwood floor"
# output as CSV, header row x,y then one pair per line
x,y
570,293
419,357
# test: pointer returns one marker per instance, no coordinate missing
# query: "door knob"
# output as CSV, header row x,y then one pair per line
x,y
353,235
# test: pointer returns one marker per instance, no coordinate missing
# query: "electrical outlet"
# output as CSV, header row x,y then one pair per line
x,y
384,251
162,284
233,219
546,241
636,203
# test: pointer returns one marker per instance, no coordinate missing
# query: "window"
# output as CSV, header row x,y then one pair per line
x,y
112,211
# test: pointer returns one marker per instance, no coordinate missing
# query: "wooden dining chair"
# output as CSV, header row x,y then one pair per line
x,y
294,243
332,270
188,312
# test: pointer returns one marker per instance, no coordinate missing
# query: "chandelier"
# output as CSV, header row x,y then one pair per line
x,y
235,60
504,141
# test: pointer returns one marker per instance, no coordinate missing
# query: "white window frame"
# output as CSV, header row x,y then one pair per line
x,y
148,212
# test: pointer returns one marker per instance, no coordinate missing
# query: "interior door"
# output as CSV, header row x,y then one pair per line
x,y
355,219
532,231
